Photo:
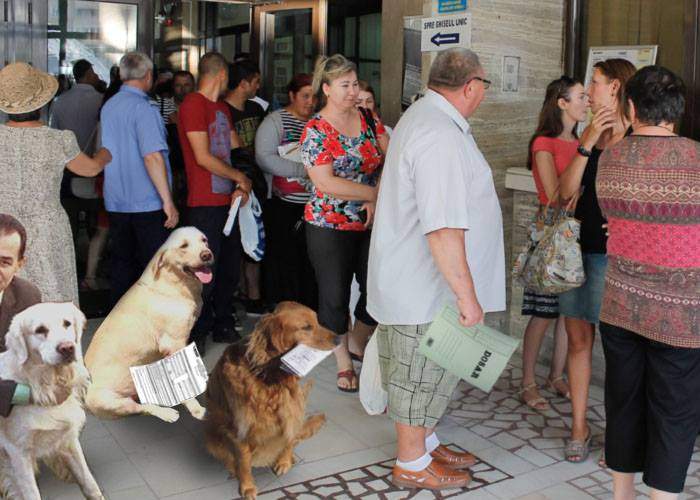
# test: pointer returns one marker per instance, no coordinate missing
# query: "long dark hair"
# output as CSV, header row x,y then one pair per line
x,y
550,123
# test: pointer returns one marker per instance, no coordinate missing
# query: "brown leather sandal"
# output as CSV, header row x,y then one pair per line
x,y
348,375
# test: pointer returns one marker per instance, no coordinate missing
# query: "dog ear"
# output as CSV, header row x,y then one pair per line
x,y
260,345
15,340
283,339
79,321
158,263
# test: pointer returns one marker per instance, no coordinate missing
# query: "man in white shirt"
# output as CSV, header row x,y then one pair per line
x,y
437,239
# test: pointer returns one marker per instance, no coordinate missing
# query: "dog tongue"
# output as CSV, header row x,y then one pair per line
x,y
204,275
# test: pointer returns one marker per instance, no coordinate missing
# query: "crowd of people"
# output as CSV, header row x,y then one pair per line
x,y
410,214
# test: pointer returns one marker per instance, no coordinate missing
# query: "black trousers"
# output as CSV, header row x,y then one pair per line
x,y
217,296
336,256
135,238
652,407
287,271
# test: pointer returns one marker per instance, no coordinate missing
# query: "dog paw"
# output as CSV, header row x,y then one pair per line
x,y
249,492
167,414
283,466
195,409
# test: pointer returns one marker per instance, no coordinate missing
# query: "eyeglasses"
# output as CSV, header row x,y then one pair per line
x,y
487,83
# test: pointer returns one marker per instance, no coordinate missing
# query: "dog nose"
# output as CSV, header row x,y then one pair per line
x,y
337,340
66,349
206,256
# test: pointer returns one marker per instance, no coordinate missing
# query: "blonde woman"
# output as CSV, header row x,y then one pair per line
x,y
342,155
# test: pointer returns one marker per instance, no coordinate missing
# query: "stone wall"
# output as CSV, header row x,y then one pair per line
x,y
533,31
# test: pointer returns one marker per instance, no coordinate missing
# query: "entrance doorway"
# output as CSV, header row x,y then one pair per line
x,y
287,39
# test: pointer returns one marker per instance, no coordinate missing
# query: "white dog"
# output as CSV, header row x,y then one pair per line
x,y
151,321
43,351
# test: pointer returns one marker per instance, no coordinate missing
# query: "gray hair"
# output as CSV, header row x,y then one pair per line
x,y
134,66
453,68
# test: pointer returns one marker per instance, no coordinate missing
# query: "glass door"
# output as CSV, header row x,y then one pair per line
x,y
99,31
289,40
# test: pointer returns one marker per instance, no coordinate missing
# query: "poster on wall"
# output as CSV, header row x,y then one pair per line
x,y
638,55
412,82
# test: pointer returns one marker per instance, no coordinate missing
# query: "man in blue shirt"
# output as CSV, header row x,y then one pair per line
x,y
137,182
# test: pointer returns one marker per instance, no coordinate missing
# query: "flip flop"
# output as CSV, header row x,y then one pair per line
x,y
578,448
348,375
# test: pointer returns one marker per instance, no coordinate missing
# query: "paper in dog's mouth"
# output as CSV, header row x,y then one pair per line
x,y
202,273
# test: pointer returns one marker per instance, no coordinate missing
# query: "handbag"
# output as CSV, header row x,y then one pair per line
x,y
372,394
552,262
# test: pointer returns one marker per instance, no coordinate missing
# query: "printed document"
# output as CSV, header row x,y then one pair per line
x,y
171,380
302,359
477,354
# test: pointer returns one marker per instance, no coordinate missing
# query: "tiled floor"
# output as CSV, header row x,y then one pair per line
x,y
520,452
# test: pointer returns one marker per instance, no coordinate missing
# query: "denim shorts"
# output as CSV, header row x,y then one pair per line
x,y
584,302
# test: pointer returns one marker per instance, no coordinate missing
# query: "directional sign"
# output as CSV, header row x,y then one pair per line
x,y
444,32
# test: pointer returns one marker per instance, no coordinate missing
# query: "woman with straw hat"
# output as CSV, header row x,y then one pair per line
x,y
31,168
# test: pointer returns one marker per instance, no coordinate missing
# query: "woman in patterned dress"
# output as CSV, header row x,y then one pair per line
x,y
31,168
342,156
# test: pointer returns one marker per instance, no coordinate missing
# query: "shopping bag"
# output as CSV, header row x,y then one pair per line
x,y
372,395
252,229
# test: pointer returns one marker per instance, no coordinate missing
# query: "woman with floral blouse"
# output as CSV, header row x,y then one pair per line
x,y
343,157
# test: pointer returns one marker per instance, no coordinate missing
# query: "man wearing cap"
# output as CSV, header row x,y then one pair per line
x,y
137,188
437,240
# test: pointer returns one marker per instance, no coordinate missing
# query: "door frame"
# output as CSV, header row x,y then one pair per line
x,y
262,29
690,125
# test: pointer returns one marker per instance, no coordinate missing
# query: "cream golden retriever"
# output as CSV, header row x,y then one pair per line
x,y
43,351
256,411
151,321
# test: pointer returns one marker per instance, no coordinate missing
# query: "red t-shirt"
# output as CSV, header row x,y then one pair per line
x,y
199,114
562,151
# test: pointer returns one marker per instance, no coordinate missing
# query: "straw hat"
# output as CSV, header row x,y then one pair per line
x,y
24,88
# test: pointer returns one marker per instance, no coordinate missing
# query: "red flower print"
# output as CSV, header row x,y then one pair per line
x,y
308,212
327,207
367,150
325,127
333,147
352,226
335,218
324,157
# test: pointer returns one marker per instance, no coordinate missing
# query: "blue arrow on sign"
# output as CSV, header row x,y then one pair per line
x,y
440,39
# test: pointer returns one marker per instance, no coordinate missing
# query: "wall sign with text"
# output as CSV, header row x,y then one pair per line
x,y
445,32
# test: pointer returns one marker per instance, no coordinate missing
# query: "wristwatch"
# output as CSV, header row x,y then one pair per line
x,y
583,151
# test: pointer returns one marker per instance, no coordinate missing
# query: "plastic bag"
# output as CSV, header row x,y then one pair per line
x,y
252,229
372,395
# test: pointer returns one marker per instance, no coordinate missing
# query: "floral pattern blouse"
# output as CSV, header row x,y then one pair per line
x,y
356,159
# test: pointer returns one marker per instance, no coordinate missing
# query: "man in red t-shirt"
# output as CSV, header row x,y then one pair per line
x,y
207,137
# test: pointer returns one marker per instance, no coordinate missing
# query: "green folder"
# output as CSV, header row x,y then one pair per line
x,y
477,354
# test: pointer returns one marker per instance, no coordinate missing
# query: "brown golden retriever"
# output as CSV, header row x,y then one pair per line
x,y
256,411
